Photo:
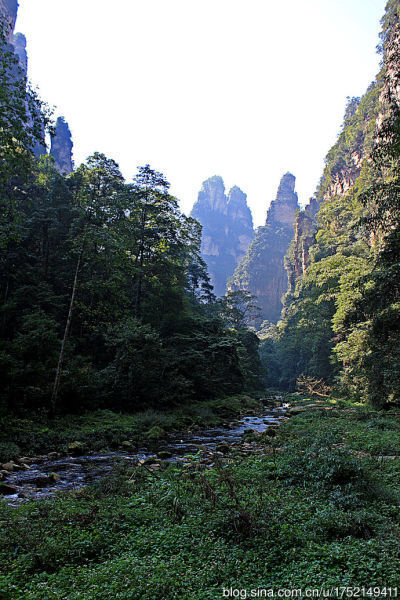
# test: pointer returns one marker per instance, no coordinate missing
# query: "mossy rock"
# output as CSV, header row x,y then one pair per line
x,y
271,431
163,454
77,448
296,410
126,444
223,447
155,433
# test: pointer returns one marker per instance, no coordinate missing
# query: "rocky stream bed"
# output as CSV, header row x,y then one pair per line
x,y
40,477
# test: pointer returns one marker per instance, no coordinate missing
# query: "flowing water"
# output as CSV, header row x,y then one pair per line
x,y
46,476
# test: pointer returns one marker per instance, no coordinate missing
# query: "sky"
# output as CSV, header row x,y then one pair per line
x,y
245,89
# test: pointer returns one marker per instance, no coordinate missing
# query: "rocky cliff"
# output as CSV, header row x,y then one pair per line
x,y
262,270
227,229
8,16
61,147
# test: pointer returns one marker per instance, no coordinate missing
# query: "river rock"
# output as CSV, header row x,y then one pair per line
x,y
11,466
8,490
26,460
296,410
148,461
155,433
43,480
77,448
53,455
223,447
163,454
126,444
271,431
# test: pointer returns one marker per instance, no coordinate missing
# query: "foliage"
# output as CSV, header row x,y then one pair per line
x,y
311,512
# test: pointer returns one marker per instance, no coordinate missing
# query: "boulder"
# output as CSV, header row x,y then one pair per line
x,y
223,447
44,480
8,490
77,448
53,455
296,410
126,444
163,454
11,466
155,433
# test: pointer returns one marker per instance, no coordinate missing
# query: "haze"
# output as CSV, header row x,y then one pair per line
x,y
246,90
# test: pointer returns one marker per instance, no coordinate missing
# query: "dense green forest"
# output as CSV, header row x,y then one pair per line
x,y
105,300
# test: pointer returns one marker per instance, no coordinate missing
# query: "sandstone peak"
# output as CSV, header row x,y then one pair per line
x,y
8,14
61,147
227,229
237,196
283,208
19,43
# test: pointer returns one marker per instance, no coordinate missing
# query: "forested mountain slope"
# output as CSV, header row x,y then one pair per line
x,y
341,265
261,271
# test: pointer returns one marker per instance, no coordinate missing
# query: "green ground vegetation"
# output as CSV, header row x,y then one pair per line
x,y
318,505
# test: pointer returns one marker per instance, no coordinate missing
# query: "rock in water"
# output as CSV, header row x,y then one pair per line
x,y
61,147
227,229
262,271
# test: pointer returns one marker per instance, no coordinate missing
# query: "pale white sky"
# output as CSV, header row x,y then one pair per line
x,y
245,89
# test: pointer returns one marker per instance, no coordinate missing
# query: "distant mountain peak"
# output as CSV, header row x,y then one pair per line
x,y
227,229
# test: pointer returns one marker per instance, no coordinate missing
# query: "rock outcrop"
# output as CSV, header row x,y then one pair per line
x,y
61,147
8,16
19,43
227,229
262,271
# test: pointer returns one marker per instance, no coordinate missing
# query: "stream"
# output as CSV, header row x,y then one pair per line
x,y
46,476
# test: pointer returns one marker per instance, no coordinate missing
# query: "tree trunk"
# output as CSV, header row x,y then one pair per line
x,y
54,396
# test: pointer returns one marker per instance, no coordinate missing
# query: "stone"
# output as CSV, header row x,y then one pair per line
x,y
53,455
148,461
11,466
42,481
76,448
271,431
163,454
61,147
223,447
155,433
8,490
227,229
296,410
126,444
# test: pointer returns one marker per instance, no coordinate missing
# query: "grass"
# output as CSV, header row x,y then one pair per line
x,y
315,509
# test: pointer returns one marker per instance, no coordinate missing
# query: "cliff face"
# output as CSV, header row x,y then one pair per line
x,y
61,147
8,15
227,229
19,43
262,271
